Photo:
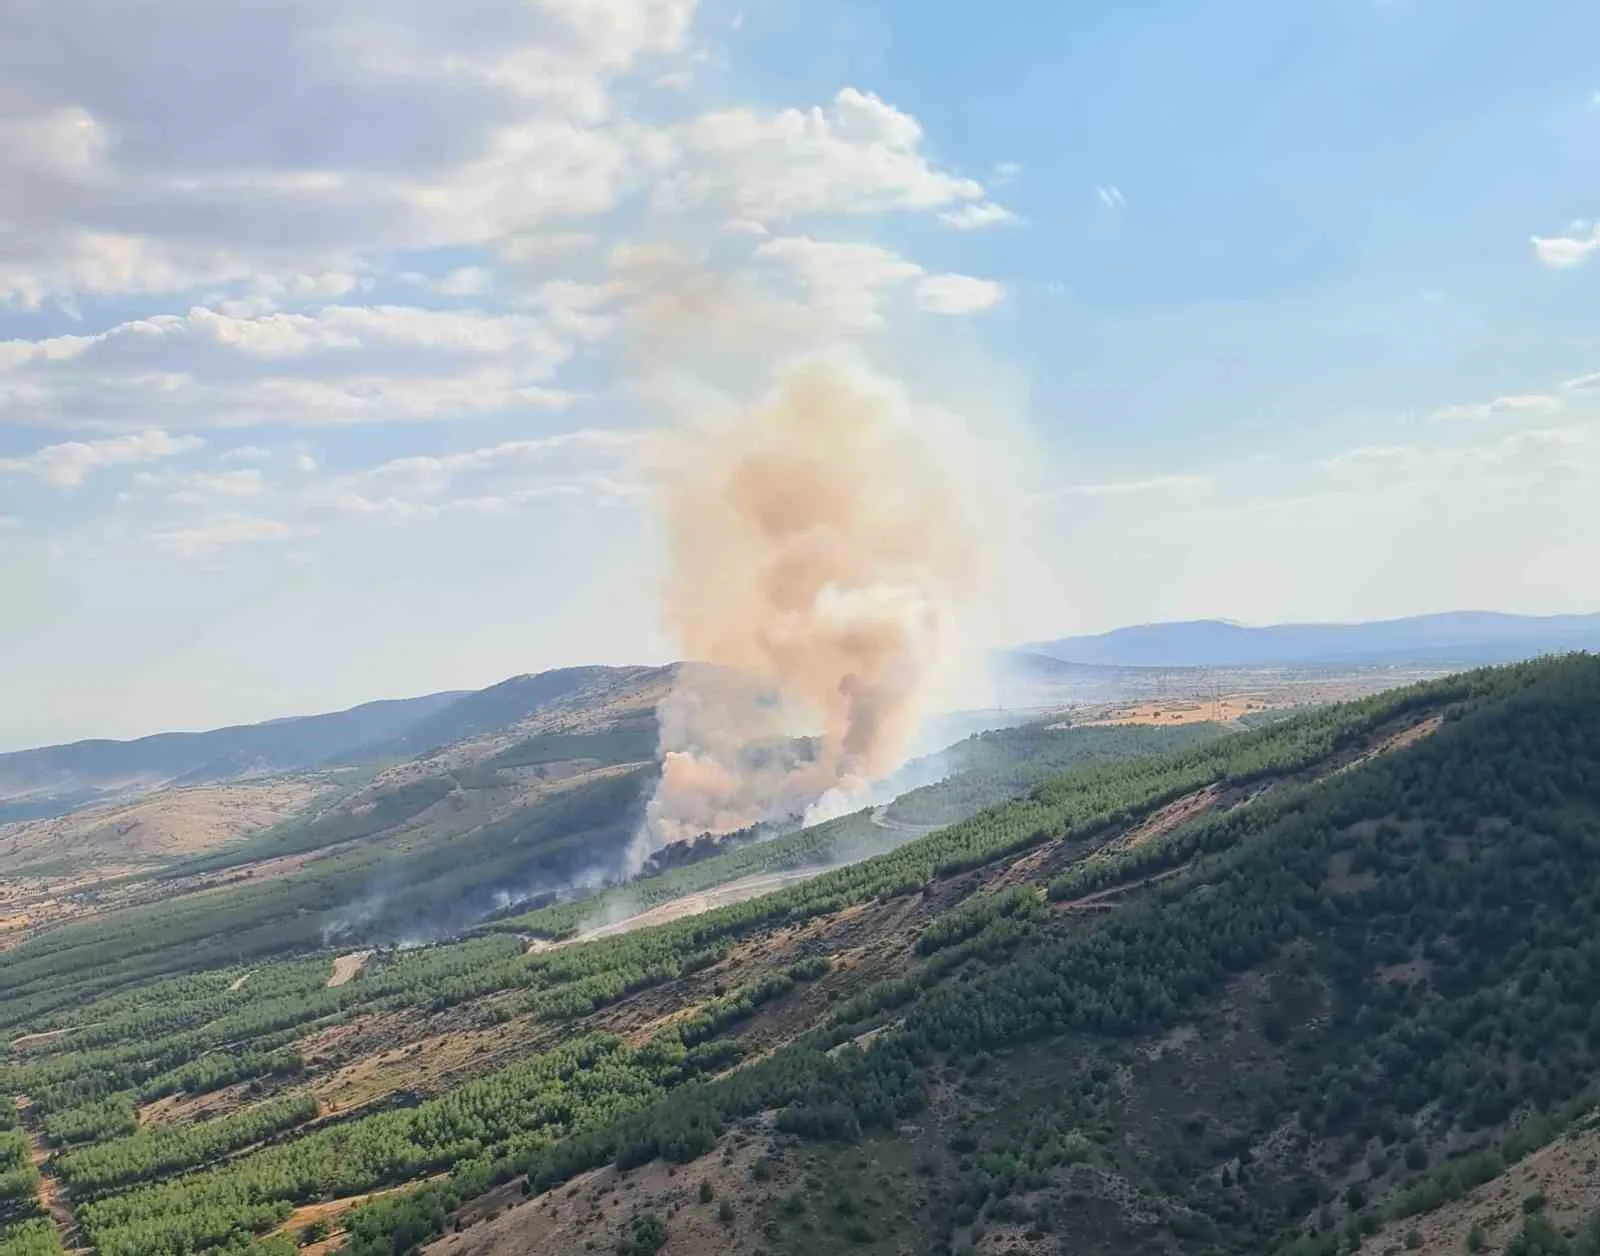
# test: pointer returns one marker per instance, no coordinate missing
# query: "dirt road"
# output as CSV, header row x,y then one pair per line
x,y
690,905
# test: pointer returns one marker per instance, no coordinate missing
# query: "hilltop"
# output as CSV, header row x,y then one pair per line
x,y
1324,984
55,780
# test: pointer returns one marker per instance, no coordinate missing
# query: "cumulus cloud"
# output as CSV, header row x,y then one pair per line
x,y
220,143
257,183
844,281
958,294
68,464
977,215
847,282
858,156
1564,251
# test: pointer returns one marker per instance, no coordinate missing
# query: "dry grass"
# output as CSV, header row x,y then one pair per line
x,y
589,1213
182,1108
1170,712
331,1212
162,825
1565,1172
347,966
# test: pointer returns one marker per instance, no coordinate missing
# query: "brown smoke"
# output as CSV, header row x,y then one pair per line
x,y
817,552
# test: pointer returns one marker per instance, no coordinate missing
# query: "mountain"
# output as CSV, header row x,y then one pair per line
x,y
1328,986
1465,638
504,705
54,780
59,777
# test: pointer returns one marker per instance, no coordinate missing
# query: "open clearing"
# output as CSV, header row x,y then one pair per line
x,y
347,966
163,825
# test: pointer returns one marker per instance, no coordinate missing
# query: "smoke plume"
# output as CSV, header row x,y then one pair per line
x,y
818,556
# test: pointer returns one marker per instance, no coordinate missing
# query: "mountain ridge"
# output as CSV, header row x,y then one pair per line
x,y
1468,637
46,781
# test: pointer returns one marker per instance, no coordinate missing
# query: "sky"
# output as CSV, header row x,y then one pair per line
x,y
330,335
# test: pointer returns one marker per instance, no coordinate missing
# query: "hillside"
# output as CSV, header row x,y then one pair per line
x,y
1291,990
55,780
1458,638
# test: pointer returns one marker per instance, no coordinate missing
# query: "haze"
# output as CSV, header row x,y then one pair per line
x,y
331,391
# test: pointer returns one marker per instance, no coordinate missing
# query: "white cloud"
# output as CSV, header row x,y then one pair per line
x,y
1165,486
246,453
305,463
538,250
574,308
1385,529
490,479
314,136
859,156
1515,404
64,141
1562,252
68,464
958,294
977,216
202,487
1111,196
339,364
845,281
466,281
201,540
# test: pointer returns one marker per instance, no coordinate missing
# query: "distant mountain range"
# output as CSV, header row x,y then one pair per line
x,y
1470,638
53,780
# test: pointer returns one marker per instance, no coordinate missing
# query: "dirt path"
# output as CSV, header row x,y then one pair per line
x,y
347,966
1103,900
690,905
900,826
38,1040
331,1213
52,1200
239,983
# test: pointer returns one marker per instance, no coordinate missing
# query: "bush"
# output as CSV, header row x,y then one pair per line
x,y
646,1237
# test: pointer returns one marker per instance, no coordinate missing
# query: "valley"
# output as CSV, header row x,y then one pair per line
x,y
1103,988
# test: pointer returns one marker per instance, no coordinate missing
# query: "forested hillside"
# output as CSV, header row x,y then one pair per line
x,y
1327,983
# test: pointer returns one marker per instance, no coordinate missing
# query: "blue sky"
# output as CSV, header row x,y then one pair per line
x,y
326,339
